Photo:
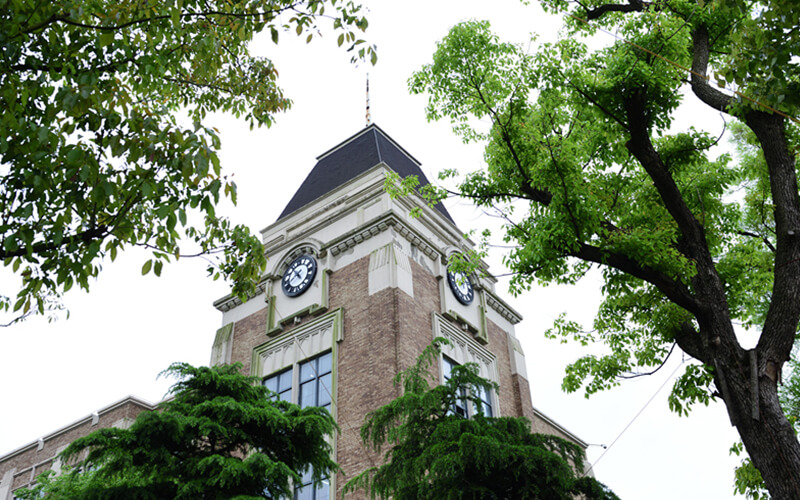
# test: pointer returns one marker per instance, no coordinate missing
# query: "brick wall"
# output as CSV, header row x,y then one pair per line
x,y
38,457
367,361
248,333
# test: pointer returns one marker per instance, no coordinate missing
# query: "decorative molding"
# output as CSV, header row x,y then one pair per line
x,y
389,267
462,322
312,310
298,343
230,301
465,349
416,240
222,348
354,238
377,226
502,308
305,248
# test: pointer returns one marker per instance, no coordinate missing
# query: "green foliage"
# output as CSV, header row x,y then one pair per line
x,y
747,479
439,455
559,140
93,156
582,144
219,436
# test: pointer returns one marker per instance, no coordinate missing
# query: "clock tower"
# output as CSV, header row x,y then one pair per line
x,y
355,289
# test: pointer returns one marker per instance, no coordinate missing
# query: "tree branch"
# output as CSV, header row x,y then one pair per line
x,y
16,320
647,374
39,248
689,340
762,238
266,16
594,102
495,194
699,79
784,311
674,290
631,6
542,196
641,147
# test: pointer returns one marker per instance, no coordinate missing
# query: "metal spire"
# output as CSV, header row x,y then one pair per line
x,y
369,118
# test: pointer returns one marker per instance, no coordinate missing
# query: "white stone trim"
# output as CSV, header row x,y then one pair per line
x,y
539,415
378,226
300,343
147,406
517,356
502,308
464,348
389,267
230,301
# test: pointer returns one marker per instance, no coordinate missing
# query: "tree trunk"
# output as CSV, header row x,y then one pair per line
x,y
766,433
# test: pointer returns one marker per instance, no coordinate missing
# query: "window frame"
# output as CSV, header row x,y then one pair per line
x,y
296,386
463,348
469,408
288,350
295,397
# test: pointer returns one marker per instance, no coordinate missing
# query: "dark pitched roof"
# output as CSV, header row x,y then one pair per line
x,y
351,158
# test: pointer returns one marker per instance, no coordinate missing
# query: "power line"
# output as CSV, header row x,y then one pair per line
x,y
669,378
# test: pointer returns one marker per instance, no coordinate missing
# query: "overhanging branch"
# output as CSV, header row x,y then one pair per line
x,y
631,6
42,247
673,289
699,80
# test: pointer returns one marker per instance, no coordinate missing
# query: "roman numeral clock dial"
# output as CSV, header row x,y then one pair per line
x,y
299,275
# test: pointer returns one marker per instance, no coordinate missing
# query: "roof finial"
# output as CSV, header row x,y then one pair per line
x,y
369,118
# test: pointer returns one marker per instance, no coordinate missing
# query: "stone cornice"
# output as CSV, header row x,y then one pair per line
x,y
342,195
377,226
502,308
230,301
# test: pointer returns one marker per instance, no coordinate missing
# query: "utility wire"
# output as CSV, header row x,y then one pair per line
x,y
634,418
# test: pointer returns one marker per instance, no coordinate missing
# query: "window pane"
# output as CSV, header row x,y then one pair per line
x,y
447,368
308,394
324,390
324,364
308,371
460,406
323,490
285,382
281,383
304,493
486,401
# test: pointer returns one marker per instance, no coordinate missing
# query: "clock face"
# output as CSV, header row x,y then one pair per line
x,y
299,275
461,287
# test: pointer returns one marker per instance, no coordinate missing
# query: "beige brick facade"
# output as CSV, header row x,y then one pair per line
x,y
379,298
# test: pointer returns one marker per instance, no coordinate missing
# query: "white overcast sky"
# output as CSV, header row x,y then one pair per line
x,y
129,327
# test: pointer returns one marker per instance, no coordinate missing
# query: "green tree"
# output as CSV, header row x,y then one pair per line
x,y
437,454
219,436
585,162
93,155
